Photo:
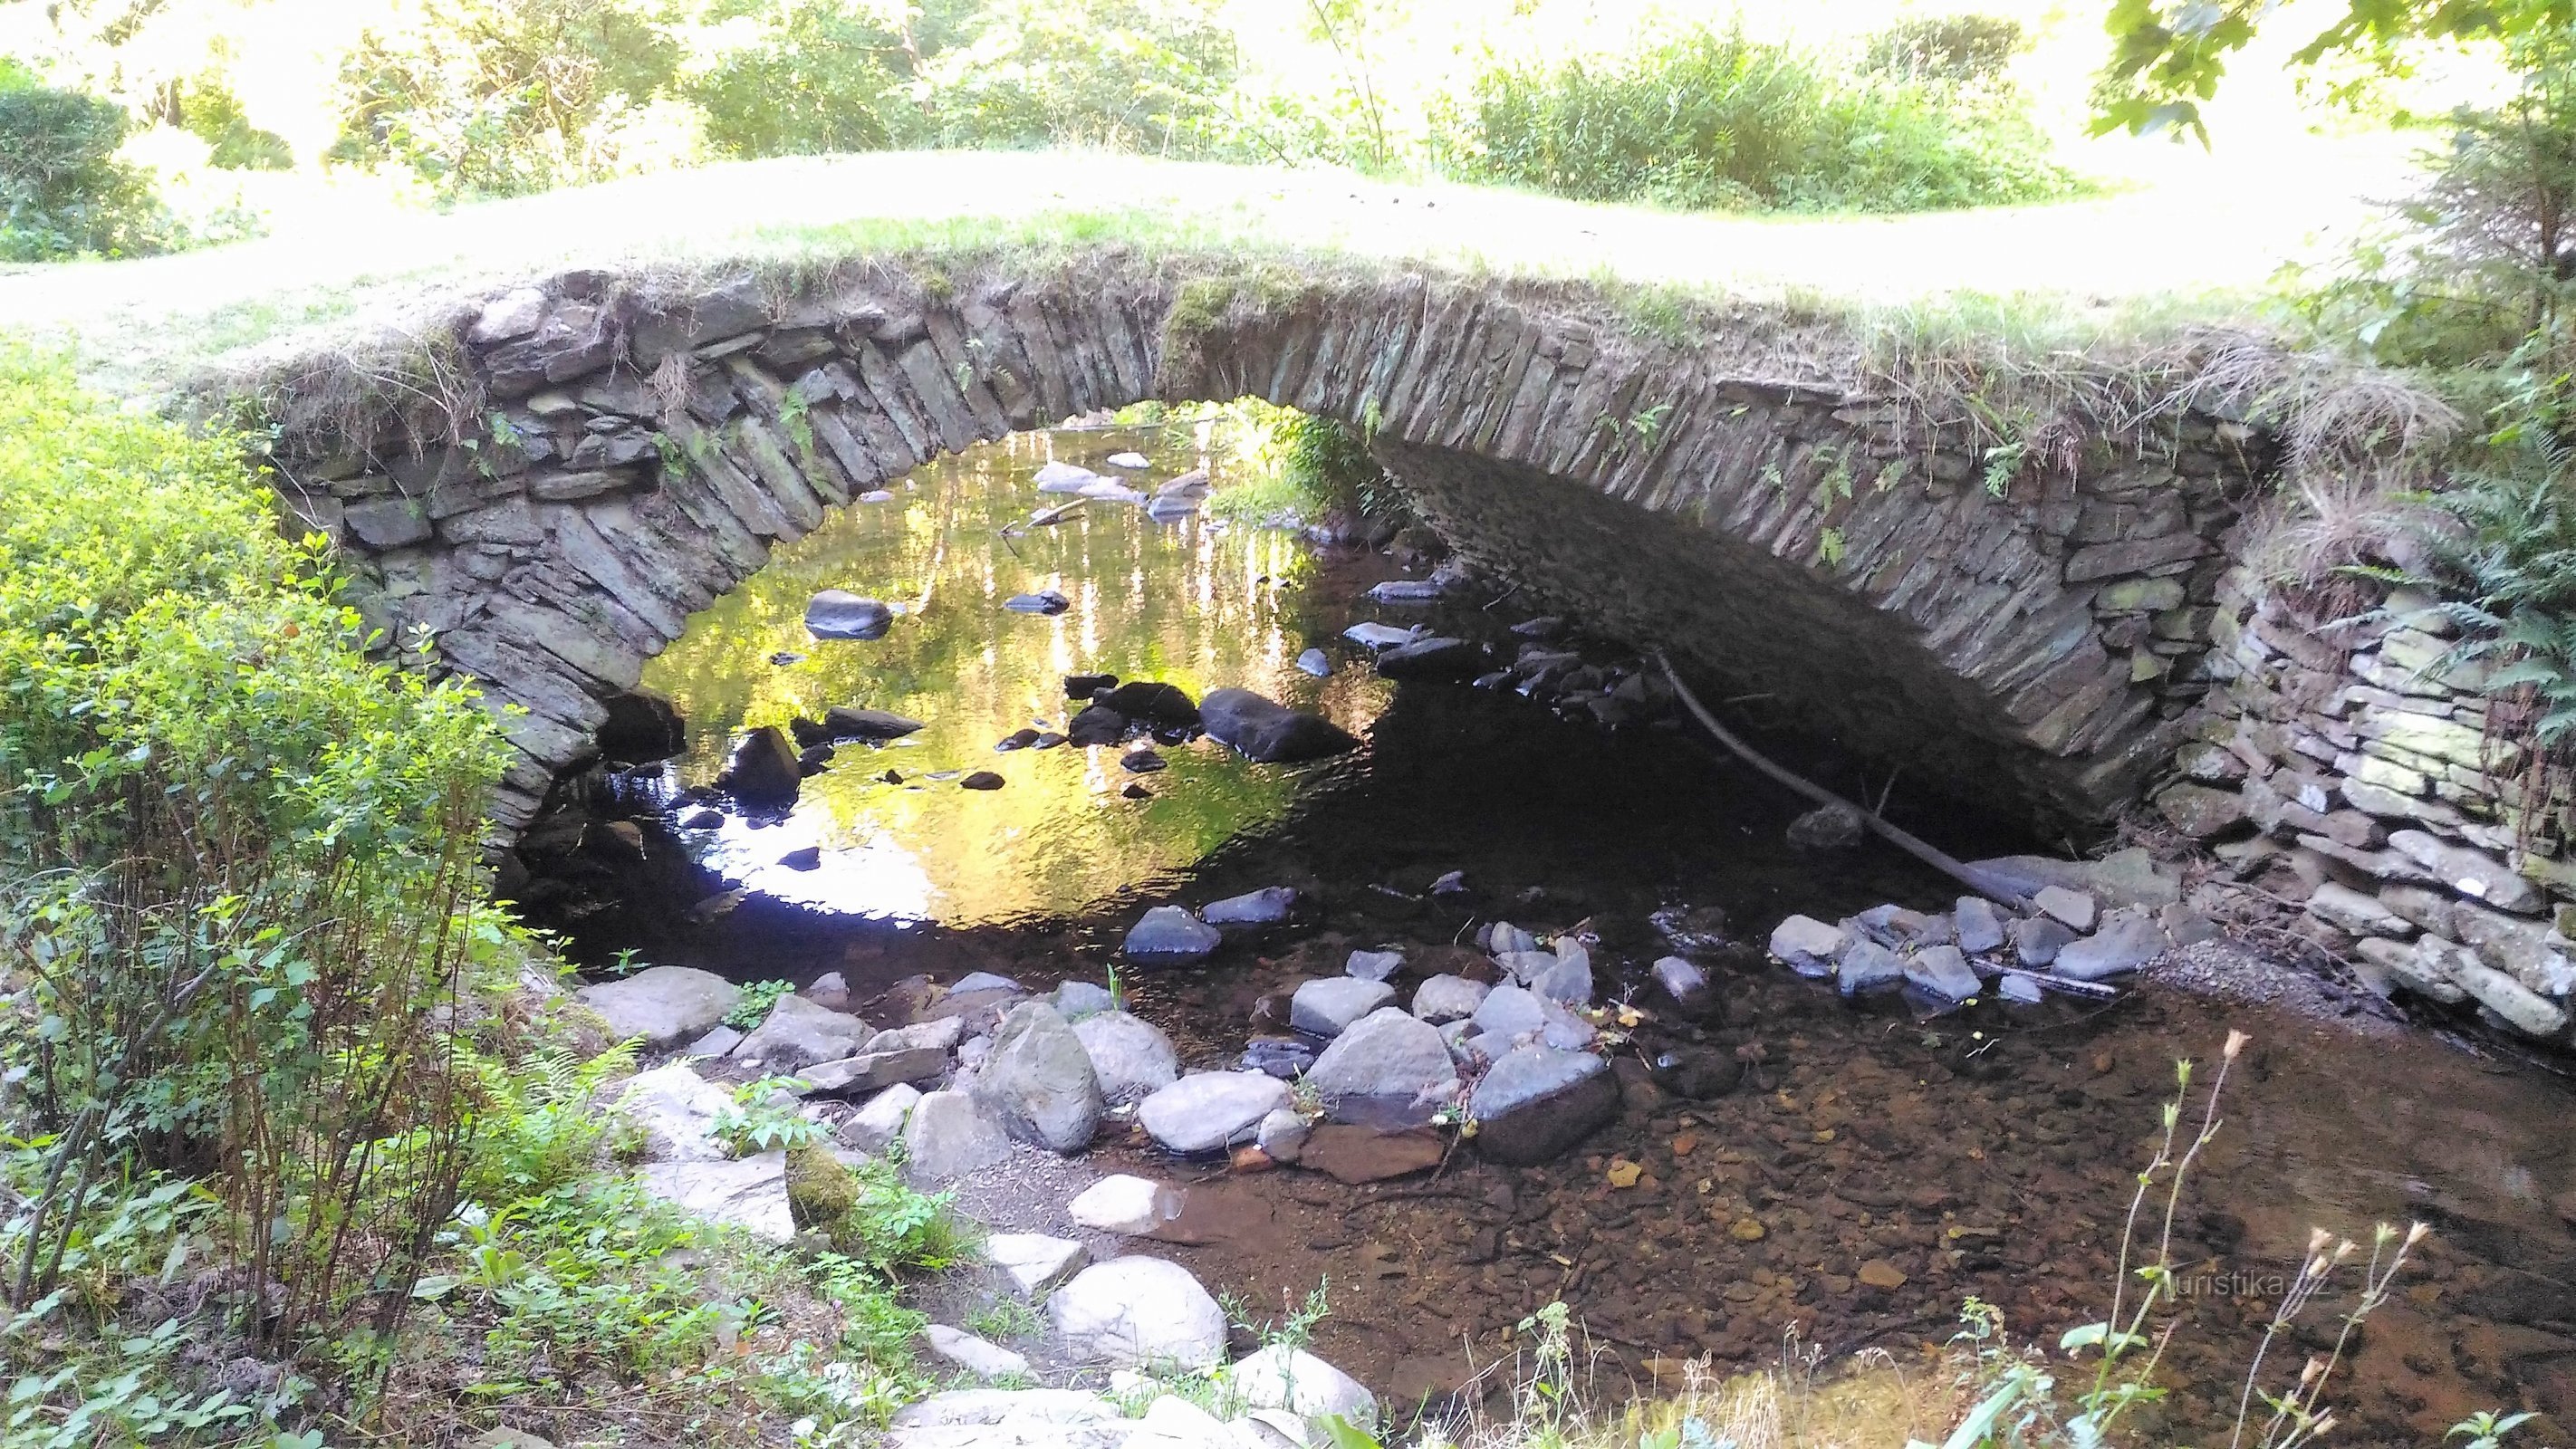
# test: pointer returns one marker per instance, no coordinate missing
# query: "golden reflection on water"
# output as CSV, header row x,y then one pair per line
x,y
1196,603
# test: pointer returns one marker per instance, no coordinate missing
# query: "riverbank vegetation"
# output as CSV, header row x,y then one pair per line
x,y
295,1130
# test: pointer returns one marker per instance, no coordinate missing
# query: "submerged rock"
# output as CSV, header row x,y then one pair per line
x,y
1142,762
1808,946
1408,591
1438,657
1538,1102
643,725
1096,725
1269,733
840,614
1153,702
847,722
1169,935
1265,907
1376,636
1045,601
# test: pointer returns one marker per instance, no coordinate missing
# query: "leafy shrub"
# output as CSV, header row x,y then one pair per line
x,y
63,193
536,1124
213,114
1136,75
1715,119
1948,47
807,77
758,1000
238,865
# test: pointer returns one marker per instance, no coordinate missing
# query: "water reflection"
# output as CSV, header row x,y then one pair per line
x,y
1195,603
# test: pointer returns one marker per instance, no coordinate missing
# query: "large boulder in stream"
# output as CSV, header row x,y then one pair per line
x,y
840,614
1538,1101
1270,733
1038,1082
763,771
664,1005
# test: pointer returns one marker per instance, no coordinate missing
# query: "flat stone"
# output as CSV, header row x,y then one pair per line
x,y
1437,657
1866,965
875,726
2038,939
879,1121
1284,1377
1568,981
1443,999
2472,874
1326,1007
1139,1312
1208,1111
2201,811
799,1032
664,1005
1944,972
871,1071
2073,909
1075,1000
1171,936
983,1359
2129,938
750,1193
1265,907
1269,733
1034,1262
940,1033
1373,965
1807,945
1538,1101
1513,1014
1282,1134
948,1136
1682,981
975,1408
2360,915
1123,1203
1388,1054
676,1110
2526,1010
1130,1056
1978,925
717,1042
840,614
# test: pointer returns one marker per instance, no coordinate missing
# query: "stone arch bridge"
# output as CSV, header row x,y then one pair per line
x,y
626,457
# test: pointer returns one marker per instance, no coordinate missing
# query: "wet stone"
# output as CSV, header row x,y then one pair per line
x,y
1325,1008
1866,965
1538,1102
1265,907
1209,1111
1808,946
840,614
2129,939
1169,935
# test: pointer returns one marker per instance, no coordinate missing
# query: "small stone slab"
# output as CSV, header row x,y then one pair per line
x,y
1284,1377
980,1357
1136,1312
1124,1203
1866,965
1979,925
2129,939
1035,1262
874,1071
1208,1111
1373,965
1265,907
1808,946
1444,999
1942,971
750,1193
949,1136
1327,1007
2073,909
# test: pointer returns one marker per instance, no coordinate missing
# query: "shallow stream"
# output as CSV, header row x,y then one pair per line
x,y
1876,1166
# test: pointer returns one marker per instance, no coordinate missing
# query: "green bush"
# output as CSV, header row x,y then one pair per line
x,y
1134,75
1716,119
803,78
238,867
1949,47
63,193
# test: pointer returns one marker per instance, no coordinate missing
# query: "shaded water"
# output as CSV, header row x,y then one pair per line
x,y
1986,1153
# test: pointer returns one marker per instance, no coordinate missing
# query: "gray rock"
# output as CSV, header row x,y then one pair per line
x,y
675,1109
879,1121
2528,951
763,770
1387,1054
2128,877
1433,658
949,1136
1524,966
1683,982
1827,829
975,981
1124,1203
2019,986
1502,938
1568,981
2129,939
983,1359
1282,1134
1538,1101
1265,907
1171,936
1038,1081
1374,965
1075,1000
1514,1013
840,614
1034,1262
1979,926
1062,477
1808,946
1269,733
1206,1111
2349,910
940,1033
2471,873
798,1033
2072,908
848,722
1138,1312
1285,1377
1444,999
750,1194
1866,965
1314,662
2037,940
1374,636
715,1043
1324,1008
979,1408
1944,972
1130,1056
664,1005
831,991
874,1071
2522,1008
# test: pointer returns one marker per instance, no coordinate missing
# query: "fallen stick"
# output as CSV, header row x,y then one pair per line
x,y
1922,850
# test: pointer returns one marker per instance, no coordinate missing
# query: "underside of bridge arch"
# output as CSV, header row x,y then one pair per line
x,y
617,458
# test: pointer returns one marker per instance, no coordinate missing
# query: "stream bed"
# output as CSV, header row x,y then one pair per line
x,y
1874,1164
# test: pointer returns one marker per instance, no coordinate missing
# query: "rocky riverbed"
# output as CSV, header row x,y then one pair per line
x,y
1496,996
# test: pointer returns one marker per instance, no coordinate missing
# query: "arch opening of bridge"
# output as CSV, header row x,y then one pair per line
x,y
629,455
